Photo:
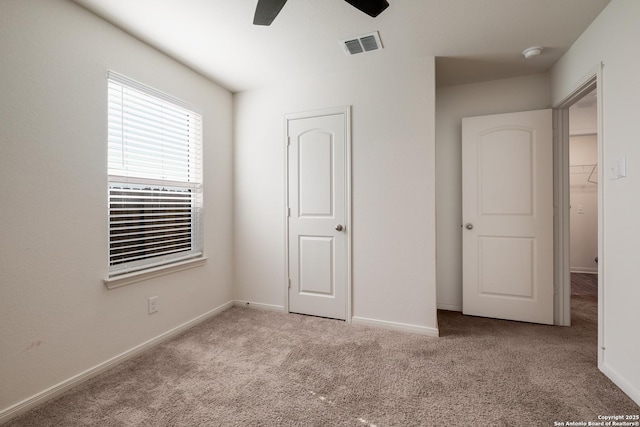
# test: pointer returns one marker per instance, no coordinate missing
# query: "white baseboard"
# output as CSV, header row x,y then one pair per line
x,y
628,388
587,270
260,306
37,399
422,330
449,307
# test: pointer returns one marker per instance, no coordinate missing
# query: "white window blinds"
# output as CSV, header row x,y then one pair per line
x,y
155,177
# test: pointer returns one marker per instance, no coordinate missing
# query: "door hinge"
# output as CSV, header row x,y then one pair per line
x,y
288,212
289,283
288,141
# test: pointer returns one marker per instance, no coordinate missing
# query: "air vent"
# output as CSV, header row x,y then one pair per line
x,y
362,44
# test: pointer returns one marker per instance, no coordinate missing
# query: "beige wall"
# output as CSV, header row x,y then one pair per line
x,y
612,38
57,318
392,190
452,104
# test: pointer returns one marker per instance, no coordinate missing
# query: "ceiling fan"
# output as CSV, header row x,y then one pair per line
x,y
267,10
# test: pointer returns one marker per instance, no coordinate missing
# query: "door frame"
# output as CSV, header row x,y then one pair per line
x,y
346,111
562,269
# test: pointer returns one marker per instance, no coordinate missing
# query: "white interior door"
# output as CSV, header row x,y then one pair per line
x,y
318,214
507,199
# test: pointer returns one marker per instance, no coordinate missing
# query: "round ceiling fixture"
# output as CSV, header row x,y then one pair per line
x,y
532,51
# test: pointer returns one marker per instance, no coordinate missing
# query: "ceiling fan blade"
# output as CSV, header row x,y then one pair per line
x,y
372,8
267,10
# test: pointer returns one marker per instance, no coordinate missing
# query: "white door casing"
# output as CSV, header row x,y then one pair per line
x,y
507,164
318,226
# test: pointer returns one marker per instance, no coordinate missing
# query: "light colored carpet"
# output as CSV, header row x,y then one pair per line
x,y
249,367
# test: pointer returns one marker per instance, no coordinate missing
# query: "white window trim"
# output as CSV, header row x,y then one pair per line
x,y
117,279
150,273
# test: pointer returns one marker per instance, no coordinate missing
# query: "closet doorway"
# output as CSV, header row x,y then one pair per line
x,y
583,196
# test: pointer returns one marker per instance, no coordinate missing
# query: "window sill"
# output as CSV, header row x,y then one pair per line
x,y
139,276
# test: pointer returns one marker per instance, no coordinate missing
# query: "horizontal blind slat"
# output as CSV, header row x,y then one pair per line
x,y
120,80
144,257
162,249
137,242
158,222
151,138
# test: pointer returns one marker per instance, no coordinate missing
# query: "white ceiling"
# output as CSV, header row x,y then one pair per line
x,y
474,40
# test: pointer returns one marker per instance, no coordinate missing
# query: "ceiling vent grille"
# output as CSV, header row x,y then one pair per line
x,y
362,44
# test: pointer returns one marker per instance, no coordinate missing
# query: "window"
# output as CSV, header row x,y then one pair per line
x,y
155,178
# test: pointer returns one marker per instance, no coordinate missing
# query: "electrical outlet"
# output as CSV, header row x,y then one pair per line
x,y
153,304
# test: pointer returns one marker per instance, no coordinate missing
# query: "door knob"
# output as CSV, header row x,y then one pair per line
x,y
469,226
339,227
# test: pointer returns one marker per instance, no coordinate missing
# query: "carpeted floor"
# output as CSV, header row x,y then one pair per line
x,y
584,284
249,367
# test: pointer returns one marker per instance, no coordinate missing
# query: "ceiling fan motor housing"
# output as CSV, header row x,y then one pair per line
x,y
267,10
